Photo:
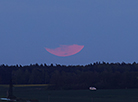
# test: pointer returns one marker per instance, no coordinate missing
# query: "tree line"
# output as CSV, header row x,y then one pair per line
x,y
99,74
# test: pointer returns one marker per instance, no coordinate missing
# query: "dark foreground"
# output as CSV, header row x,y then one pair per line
x,y
43,95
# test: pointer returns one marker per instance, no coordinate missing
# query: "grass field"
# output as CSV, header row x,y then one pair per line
x,y
43,95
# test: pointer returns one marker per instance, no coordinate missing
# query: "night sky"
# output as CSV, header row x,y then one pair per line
x,y
108,29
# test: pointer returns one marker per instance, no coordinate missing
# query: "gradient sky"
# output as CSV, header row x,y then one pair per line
x,y
108,29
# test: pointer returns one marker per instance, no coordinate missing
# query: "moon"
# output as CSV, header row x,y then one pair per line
x,y
65,50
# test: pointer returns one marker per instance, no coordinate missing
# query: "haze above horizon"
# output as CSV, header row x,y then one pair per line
x,y
107,28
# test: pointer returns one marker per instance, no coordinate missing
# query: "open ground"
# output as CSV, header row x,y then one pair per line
x,y
43,95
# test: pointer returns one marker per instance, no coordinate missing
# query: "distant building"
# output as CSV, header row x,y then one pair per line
x,y
92,88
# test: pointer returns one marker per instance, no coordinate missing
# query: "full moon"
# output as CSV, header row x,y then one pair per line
x,y
65,50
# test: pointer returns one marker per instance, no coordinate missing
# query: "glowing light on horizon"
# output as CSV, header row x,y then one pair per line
x,y
65,50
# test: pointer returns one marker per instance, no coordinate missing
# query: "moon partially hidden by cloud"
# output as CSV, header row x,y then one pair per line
x,y
65,50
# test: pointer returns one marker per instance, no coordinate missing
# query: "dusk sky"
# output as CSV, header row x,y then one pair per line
x,y
108,29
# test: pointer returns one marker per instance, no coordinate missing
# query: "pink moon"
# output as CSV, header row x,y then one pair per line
x,y
65,50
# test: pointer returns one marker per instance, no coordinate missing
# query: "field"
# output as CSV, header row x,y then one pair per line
x,y
43,95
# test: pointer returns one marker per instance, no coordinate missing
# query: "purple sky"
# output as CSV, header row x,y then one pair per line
x,y
108,29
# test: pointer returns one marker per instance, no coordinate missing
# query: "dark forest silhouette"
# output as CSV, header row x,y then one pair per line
x,y
100,74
